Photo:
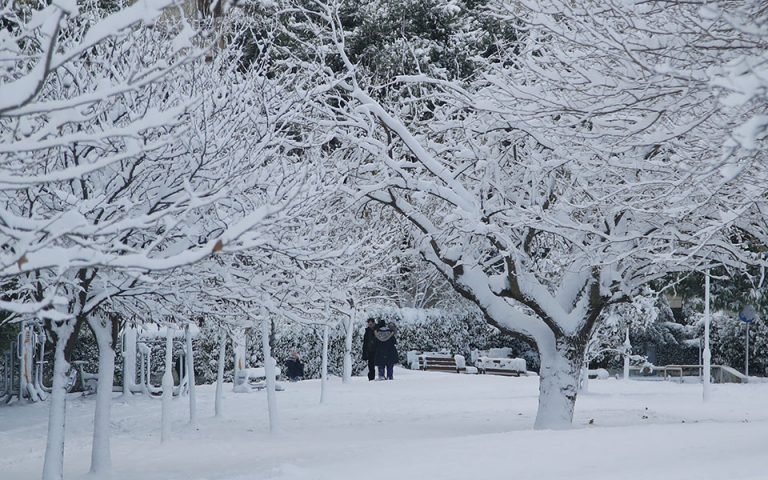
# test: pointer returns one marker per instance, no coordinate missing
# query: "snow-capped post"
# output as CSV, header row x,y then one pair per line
x,y
627,352
129,359
165,415
53,465
269,371
101,458
218,403
190,357
707,356
324,364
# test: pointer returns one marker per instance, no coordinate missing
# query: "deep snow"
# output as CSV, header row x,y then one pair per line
x,y
422,425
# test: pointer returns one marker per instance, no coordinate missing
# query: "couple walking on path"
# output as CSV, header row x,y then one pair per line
x,y
379,349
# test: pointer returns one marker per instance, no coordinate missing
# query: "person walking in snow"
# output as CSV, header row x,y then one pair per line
x,y
386,349
369,348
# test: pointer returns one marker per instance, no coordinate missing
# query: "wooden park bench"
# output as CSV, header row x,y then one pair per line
x,y
442,362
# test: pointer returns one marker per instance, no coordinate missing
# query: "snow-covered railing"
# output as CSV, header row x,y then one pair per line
x,y
667,371
720,373
725,374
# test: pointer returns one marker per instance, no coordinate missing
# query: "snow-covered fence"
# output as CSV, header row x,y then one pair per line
x,y
719,373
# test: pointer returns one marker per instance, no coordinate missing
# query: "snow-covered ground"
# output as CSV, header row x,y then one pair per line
x,y
422,425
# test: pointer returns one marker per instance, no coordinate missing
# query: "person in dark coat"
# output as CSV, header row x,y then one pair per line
x,y
294,368
386,349
369,348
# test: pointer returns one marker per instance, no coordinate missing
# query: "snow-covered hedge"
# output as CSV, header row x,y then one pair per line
x,y
423,330
458,332
307,340
727,340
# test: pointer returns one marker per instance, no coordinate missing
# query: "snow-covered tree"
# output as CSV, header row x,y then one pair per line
x,y
561,181
743,79
125,153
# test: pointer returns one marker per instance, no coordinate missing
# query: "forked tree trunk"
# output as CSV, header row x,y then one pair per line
x,y
53,466
558,384
101,457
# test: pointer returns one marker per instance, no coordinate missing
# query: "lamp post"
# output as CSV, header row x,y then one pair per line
x,y
747,315
746,352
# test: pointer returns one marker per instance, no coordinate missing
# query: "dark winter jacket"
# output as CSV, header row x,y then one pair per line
x,y
369,344
386,349
294,368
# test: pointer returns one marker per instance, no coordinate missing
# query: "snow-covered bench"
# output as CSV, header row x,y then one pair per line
x,y
254,378
501,366
442,362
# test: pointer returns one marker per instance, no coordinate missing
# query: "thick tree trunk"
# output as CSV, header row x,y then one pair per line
x,y
101,457
53,466
558,385
191,377
218,404
269,371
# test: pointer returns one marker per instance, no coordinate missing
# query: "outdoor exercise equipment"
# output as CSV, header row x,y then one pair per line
x,y
23,365
147,339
